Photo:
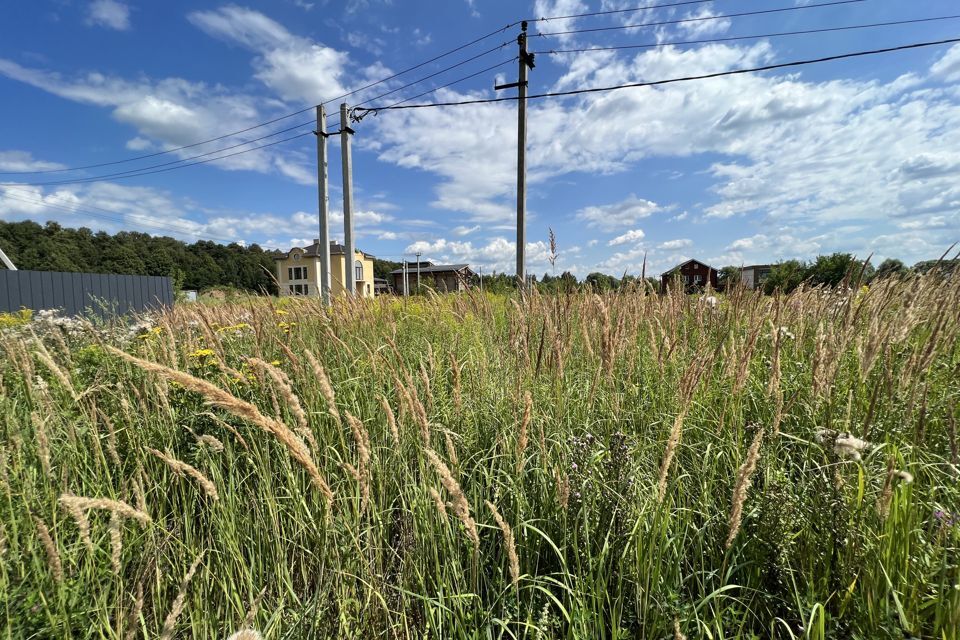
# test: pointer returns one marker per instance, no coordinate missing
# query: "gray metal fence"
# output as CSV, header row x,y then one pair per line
x,y
104,295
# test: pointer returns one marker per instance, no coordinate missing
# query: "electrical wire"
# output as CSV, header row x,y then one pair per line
x,y
742,14
649,7
769,67
358,118
751,37
133,174
124,218
279,118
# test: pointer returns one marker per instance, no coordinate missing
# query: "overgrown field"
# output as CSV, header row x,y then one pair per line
x,y
625,466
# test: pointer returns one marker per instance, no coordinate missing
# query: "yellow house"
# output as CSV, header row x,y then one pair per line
x,y
298,271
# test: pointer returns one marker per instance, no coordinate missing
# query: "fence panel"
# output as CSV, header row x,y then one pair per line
x,y
104,295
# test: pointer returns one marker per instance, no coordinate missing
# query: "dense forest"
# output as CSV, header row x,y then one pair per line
x,y
204,264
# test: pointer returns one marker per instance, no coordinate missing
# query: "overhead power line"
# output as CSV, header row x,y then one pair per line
x,y
607,12
778,34
742,14
134,174
155,154
769,67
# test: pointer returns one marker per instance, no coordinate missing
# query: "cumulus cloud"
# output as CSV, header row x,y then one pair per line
x,y
23,161
634,235
681,243
111,14
619,215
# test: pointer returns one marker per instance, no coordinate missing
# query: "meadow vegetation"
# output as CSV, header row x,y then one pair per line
x,y
624,465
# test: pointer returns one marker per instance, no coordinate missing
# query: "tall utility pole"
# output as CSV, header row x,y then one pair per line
x,y
5,260
324,197
348,246
406,277
418,272
526,63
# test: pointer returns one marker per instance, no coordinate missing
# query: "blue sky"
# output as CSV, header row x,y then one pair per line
x,y
859,155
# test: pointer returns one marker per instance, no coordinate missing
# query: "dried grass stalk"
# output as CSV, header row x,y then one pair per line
x,y
508,542
169,625
391,420
116,541
744,476
182,468
78,515
53,556
43,442
523,435
362,440
326,389
44,356
672,442
458,500
105,504
293,402
216,396
438,500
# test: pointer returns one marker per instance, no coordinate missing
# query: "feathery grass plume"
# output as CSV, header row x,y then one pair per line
x,y
451,449
111,437
744,476
209,441
458,500
254,608
669,453
246,634
293,402
229,427
438,500
134,617
216,396
391,420
140,497
105,504
169,625
116,541
508,542
44,356
677,633
523,435
53,556
362,440
457,394
428,392
182,468
325,387
43,442
83,524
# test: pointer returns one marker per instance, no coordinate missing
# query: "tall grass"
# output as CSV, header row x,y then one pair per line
x,y
578,466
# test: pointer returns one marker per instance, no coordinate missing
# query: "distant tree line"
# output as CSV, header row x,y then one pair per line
x,y
835,269
201,265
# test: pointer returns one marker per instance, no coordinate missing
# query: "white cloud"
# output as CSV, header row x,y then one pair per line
x,y
111,14
634,235
618,215
681,243
498,254
22,161
464,230
703,23
138,144
948,67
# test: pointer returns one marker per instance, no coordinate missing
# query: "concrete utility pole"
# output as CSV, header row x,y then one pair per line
x,y
5,260
324,197
406,277
526,63
348,244
418,271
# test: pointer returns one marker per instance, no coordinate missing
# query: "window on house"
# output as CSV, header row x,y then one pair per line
x,y
289,273
358,270
297,273
697,279
686,279
299,289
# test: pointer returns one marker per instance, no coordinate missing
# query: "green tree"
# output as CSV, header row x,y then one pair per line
x,y
728,277
834,269
785,276
890,268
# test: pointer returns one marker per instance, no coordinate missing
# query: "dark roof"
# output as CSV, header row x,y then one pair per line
x,y
683,264
437,268
757,266
313,251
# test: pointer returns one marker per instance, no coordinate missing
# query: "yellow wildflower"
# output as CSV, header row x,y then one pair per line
x,y
202,353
